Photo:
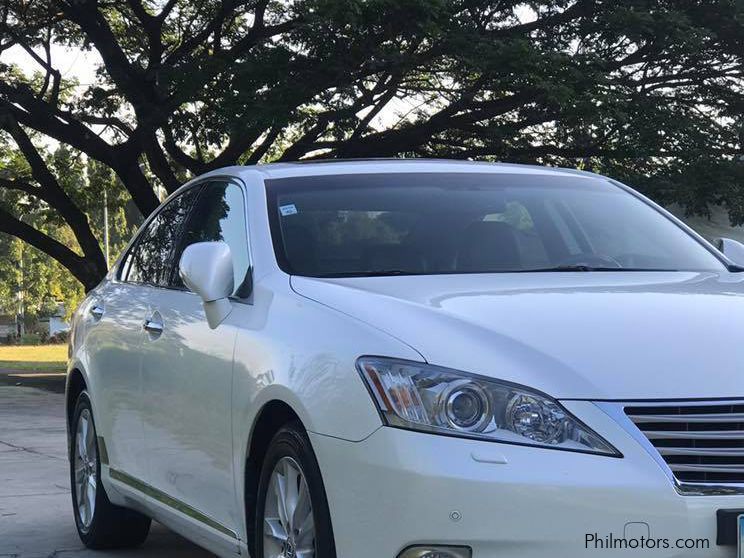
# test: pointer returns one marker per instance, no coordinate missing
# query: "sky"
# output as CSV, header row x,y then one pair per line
x,y
72,63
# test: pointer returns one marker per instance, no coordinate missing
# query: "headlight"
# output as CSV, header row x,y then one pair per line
x,y
440,400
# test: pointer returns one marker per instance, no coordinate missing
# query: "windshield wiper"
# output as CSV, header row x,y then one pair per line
x,y
556,269
588,268
370,273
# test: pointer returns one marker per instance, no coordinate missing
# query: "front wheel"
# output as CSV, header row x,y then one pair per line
x,y
100,523
292,516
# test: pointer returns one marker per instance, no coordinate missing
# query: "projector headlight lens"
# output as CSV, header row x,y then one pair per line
x,y
466,406
440,400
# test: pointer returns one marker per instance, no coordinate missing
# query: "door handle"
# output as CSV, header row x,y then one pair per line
x,y
153,326
97,312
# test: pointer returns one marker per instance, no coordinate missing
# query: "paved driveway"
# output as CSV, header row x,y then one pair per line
x,y
35,512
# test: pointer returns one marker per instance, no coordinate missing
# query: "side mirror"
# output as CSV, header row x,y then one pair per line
x,y
732,249
206,268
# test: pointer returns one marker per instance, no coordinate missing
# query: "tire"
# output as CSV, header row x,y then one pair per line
x,y
100,524
291,449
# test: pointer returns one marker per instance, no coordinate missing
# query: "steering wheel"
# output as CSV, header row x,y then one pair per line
x,y
591,260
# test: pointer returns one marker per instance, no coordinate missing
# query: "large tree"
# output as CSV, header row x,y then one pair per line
x,y
31,282
647,90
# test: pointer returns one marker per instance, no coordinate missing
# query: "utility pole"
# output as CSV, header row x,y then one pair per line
x,y
21,314
106,226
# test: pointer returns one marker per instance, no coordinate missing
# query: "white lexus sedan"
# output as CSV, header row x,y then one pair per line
x,y
412,359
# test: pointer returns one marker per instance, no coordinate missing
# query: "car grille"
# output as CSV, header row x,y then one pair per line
x,y
701,442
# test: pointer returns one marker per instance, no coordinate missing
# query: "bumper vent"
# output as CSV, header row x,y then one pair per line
x,y
701,442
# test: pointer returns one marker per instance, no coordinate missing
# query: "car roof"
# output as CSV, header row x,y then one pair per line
x,y
364,166
372,166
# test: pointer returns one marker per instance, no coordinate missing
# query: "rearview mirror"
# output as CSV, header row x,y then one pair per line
x,y
732,249
206,268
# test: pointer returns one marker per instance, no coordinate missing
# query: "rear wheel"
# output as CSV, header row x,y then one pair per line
x,y
100,523
292,516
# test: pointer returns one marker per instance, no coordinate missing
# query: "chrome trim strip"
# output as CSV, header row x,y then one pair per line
x,y
169,501
694,434
102,451
700,419
690,467
703,452
616,411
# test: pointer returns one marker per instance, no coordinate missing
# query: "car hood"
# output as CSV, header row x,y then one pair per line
x,y
599,335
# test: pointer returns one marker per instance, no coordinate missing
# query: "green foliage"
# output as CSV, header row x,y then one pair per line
x,y
42,282
102,184
31,339
29,274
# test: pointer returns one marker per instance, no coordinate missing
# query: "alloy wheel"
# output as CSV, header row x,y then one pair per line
x,y
86,469
289,526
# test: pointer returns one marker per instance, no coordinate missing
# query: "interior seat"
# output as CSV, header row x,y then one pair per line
x,y
301,249
488,246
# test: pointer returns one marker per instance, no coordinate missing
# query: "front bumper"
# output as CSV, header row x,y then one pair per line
x,y
399,488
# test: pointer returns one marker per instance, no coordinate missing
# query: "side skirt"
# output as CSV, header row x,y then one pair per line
x,y
170,502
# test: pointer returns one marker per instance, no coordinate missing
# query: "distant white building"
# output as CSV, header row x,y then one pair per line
x,y
7,326
56,322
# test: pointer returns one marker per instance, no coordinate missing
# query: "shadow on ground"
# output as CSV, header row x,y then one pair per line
x,y
48,381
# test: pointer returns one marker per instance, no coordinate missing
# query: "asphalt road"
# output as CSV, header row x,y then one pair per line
x,y
35,512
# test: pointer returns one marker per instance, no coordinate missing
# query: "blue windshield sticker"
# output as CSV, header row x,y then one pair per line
x,y
289,209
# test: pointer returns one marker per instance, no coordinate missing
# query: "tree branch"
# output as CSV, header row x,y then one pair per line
x,y
304,144
393,141
80,267
159,164
186,161
56,196
20,186
197,39
167,9
236,147
124,159
39,115
129,79
264,146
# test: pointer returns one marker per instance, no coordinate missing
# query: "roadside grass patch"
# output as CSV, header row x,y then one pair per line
x,y
46,358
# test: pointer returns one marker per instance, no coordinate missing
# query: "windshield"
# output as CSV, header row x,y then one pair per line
x,y
442,223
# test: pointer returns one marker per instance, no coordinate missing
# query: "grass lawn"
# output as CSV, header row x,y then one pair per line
x,y
48,358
